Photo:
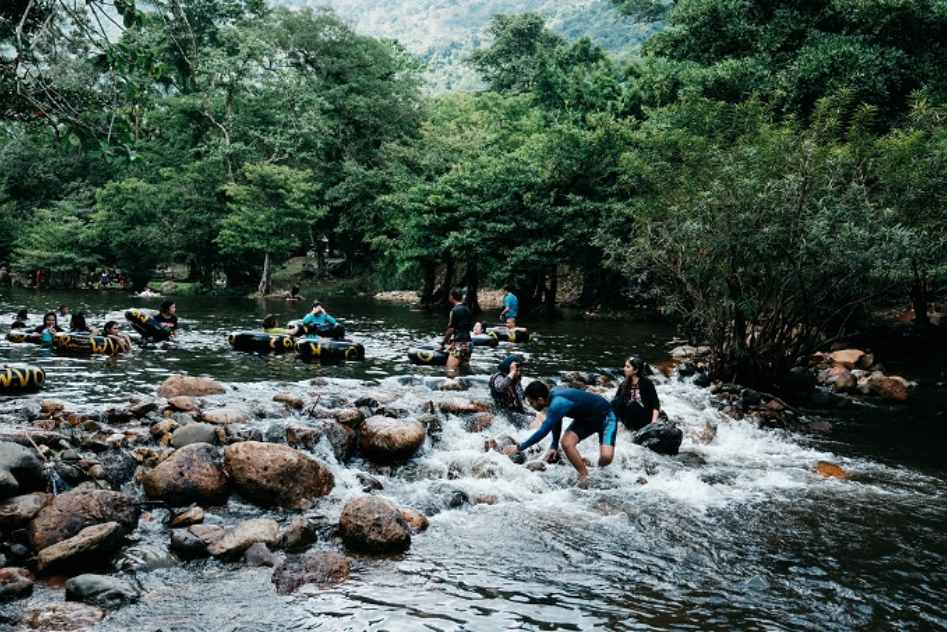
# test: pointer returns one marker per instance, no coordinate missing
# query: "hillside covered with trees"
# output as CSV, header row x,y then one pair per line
x,y
766,172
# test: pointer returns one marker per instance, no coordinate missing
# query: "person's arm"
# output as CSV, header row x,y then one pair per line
x,y
331,320
558,408
449,334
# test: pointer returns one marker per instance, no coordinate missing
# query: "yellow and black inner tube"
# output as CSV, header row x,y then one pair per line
x,y
147,326
325,349
16,378
428,355
261,342
84,343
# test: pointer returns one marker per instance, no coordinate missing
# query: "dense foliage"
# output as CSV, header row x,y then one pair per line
x,y
767,173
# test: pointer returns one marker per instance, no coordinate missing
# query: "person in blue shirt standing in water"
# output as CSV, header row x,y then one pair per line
x,y
511,307
590,413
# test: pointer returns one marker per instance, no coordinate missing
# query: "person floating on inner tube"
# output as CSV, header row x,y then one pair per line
x,y
458,332
318,322
49,327
20,320
167,318
294,294
271,326
78,325
111,331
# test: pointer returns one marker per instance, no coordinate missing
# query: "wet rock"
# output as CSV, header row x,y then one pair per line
x,y
373,524
224,416
830,470
101,590
91,547
536,466
463,407
342,438
192,543
305,437
21,470
848,358
194,515
183,403
291,400
15,583
319,568
234,541
140,407
17,511
177,385
886,387
662,438
691,459
163,427
391,440
259,555
277,475
297,535
415,519
193,433
478,422
71,615
192,474
71,512
369,483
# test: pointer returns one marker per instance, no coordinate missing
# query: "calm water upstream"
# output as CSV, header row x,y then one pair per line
x,y
750,540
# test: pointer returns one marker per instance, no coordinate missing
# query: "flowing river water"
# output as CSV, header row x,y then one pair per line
x,y
745,537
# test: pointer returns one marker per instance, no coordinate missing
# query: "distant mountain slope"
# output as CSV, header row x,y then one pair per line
x,y
442,32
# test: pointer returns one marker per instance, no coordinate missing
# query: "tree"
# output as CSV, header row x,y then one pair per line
x,y
761,237
795,53
270,215
132,228
509,64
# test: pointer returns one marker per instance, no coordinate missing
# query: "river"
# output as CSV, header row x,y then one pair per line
x,y
751,539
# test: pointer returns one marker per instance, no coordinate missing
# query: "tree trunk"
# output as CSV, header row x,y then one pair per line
x,y
266,285
429,271
919,292
549,305
473,286
440,295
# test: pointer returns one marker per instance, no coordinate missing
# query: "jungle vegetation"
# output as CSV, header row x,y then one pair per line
x,y
767,171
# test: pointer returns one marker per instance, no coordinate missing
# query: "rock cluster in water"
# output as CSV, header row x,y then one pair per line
x,y
74,486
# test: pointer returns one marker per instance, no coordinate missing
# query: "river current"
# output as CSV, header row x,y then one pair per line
x,y
738,534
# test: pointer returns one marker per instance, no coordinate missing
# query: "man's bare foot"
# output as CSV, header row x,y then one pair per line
x,y
583,481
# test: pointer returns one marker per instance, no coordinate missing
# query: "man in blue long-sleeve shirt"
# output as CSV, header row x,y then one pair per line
x,y
590,413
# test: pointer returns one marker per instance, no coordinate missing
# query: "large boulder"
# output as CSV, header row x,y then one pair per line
x,y
373,524
386,440
71,512
319,568
277,475
92,546
21,470
192,474
178,385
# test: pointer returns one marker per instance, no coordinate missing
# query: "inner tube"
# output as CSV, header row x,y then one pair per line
x,y
147,326
21,377
84,343
24,335
261,342
502,333
483,340
427,354
327,330
325,349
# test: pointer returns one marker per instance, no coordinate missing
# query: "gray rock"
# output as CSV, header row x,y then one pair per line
x,y
18,511
15,583
193,433
232,544
101,590
21,470
319,568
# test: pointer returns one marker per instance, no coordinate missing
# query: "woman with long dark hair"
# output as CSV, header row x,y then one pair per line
x,y
636,402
